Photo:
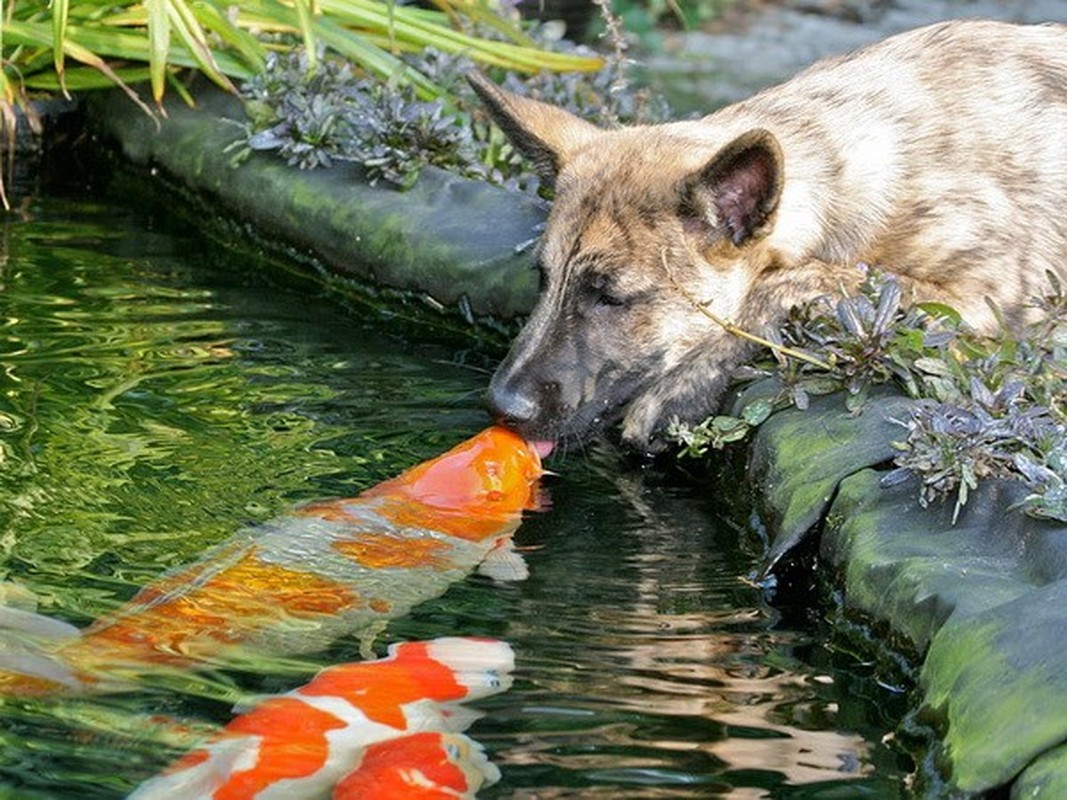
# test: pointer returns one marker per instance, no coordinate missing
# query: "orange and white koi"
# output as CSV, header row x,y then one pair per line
x,y
376,730
299,582
422,766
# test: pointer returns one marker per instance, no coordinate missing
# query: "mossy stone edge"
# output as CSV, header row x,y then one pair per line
x,y
454,239
983,599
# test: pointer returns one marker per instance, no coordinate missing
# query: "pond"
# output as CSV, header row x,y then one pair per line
x,y
161,392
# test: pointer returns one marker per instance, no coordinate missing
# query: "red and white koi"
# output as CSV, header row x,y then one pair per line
x,y
375,730
299,582
422,766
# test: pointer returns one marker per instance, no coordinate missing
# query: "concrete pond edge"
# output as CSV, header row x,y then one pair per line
x,y
981,600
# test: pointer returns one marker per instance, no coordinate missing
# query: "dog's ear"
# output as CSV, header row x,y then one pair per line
x,y
739,187
544,133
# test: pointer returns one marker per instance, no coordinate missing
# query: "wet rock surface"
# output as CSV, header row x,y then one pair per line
x,y
457,243
983,599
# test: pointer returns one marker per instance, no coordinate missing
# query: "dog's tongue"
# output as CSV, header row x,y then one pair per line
x,y
543,447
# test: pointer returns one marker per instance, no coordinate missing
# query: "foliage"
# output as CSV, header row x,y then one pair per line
x,y
314,119
131,41
127,41
604,96
643,18
989,407
986,434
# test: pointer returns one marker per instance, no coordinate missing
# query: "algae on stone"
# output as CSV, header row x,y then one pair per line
x,y
982,595
800,457
1000,680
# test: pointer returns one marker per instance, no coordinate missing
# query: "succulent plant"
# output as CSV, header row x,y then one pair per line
x,y
315,112
989,407
314,118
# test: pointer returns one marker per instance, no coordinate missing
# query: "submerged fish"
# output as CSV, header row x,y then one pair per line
x,y
299,582
422,766
376,730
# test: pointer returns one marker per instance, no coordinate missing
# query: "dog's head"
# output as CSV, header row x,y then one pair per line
x,y
654,231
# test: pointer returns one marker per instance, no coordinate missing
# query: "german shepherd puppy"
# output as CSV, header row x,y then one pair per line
x,y
939,155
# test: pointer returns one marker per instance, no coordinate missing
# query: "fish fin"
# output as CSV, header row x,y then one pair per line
x,y
205,771
18,663
35,626
504,563
457,717
15,595
26,639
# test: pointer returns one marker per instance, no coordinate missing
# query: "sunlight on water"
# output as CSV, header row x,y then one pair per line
x,y
158,398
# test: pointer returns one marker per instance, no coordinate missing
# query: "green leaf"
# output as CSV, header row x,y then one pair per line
x,y
941,311
374,59
934,366
79,79
158,23
229,40
192,35
727,429
820,385
60,13
307,32
756,412
243,42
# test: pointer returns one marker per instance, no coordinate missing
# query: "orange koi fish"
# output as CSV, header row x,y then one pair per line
x,y
376,730
422,766
299,582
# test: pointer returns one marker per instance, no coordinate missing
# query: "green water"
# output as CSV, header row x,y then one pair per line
x,y
160,392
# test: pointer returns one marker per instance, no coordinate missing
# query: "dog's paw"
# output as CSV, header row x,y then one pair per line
x,y
639,426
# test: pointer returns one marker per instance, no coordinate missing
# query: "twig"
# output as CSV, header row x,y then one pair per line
x,y
617,61
733,329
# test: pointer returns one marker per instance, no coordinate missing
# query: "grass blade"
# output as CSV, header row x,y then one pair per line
x,y
242,42
305,16
195,40
374,59
60,12
158,23
108,42
369,15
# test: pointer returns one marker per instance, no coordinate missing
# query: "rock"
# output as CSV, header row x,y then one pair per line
x,y
453,240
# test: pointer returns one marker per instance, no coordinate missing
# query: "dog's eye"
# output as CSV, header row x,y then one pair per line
x,y
605,299
599,292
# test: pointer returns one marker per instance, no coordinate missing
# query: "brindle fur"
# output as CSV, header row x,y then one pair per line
x,y
939,155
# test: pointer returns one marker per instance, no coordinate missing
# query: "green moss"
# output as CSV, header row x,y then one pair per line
x,y
906,565
1045,779
1000,681
801,456
449,238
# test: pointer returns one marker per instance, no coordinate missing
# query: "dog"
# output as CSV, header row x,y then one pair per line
x,y
938,155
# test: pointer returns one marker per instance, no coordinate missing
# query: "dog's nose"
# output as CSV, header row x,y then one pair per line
x,y
510,405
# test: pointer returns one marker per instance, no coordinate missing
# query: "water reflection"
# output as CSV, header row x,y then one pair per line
x,y
647,669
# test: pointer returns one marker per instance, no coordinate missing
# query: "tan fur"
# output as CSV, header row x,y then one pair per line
x,y
939,155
